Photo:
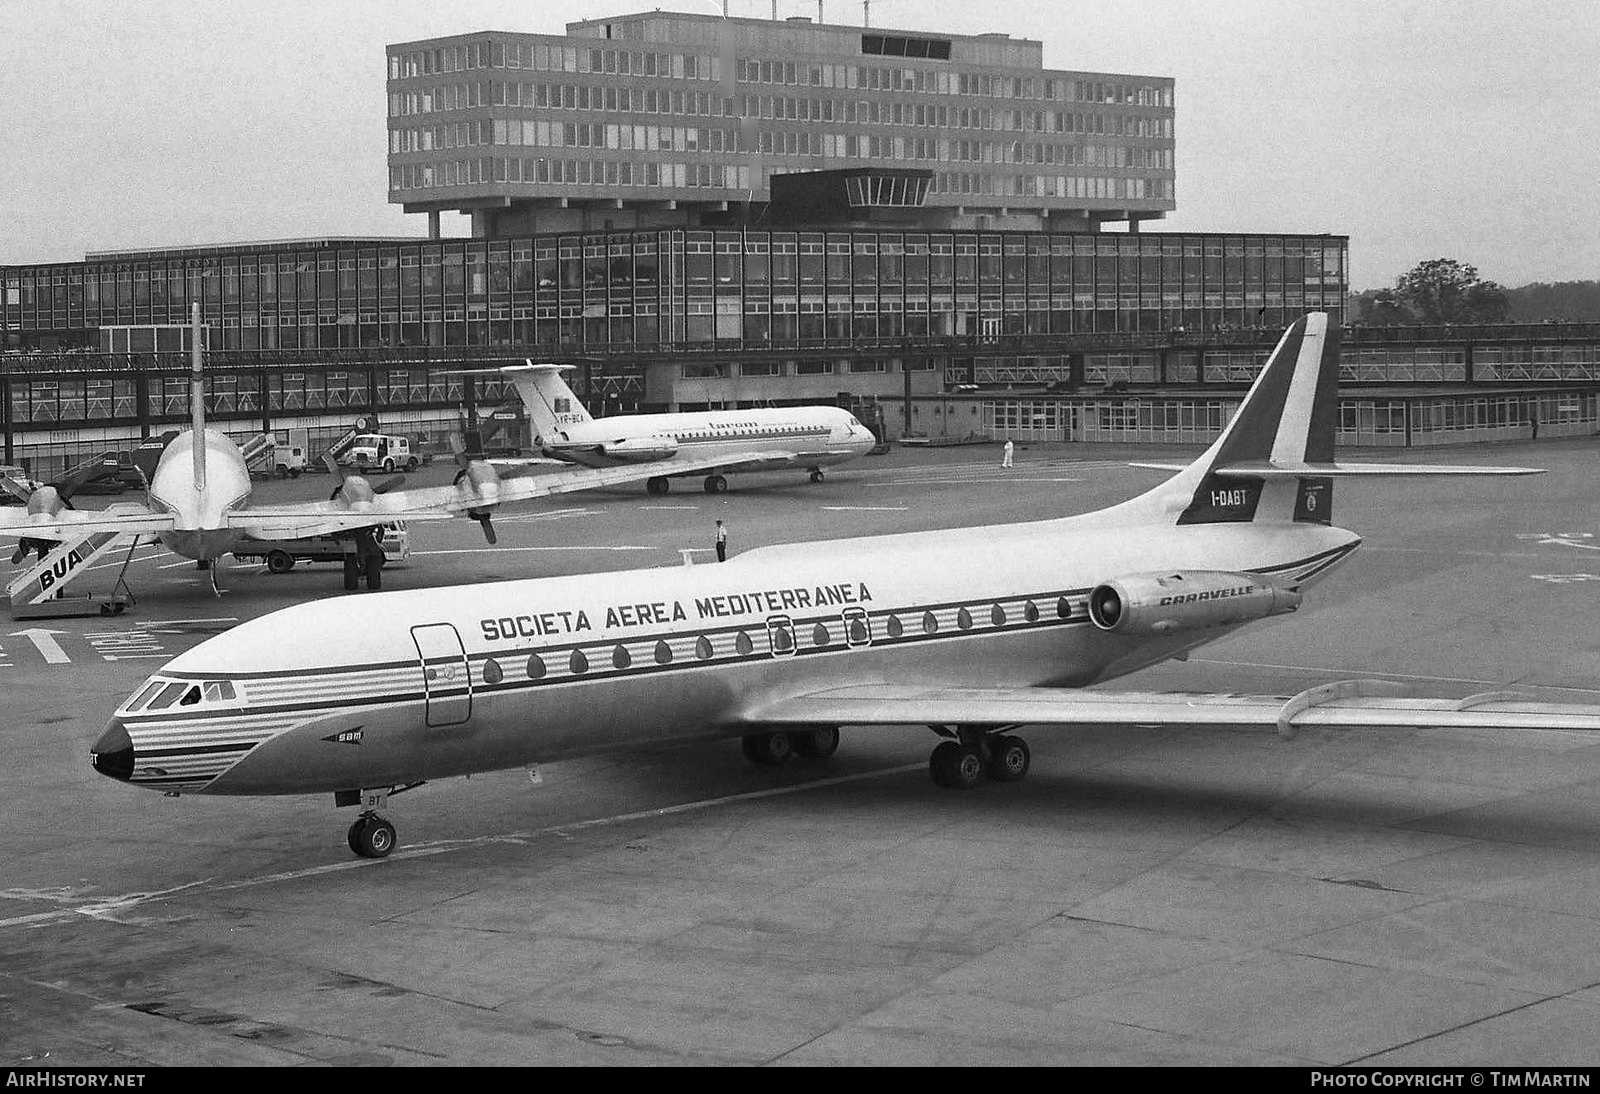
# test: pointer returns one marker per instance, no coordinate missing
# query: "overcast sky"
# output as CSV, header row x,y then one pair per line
x,y
1420,128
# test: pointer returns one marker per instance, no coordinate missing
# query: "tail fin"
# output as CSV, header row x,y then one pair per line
x,y
1274,461
551,405
1285,423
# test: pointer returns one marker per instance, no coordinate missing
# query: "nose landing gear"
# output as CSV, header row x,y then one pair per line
x,y
371,836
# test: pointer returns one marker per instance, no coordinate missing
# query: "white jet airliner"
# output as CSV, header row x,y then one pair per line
x,y
198,499
761,439
970,632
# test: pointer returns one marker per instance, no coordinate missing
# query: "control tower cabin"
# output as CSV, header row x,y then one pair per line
x,y
665,119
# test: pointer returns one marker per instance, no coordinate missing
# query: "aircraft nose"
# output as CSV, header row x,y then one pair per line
x,y
112,754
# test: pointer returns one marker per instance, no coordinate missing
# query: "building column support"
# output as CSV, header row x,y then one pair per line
x,y
433,224
5,410
141,402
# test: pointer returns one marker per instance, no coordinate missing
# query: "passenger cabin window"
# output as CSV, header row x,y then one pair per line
x,y
492,673
820,635
857,629
780,636
702,648
742,645
1064,608
930,623
1030,612
997,616
620,657
896,628
578,662
663,652
964,619
535,667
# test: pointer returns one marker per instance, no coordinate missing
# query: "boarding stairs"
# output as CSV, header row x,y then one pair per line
x,y
42,588
257,451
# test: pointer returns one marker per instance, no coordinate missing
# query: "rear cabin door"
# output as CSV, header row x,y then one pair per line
x,y
445,676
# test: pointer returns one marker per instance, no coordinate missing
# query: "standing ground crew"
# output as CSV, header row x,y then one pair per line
x,y
1005,458
722,543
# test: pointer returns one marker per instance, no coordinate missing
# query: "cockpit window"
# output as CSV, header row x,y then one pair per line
x,y
169,695
190,697
149,689
218,691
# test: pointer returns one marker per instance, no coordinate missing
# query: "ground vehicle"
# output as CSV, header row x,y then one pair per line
x,y
384,451
280,555
18,475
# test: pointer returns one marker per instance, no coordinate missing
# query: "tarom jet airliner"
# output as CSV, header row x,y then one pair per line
x,y
758,439
970,632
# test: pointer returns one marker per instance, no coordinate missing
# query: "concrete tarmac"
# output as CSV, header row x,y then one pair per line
x,y
1144,896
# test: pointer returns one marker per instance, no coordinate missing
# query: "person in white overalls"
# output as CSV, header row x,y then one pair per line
x,y
1005,458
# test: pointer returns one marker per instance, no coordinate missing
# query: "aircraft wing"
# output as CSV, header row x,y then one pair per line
x,y
63,523
475,493
461,498
1347,704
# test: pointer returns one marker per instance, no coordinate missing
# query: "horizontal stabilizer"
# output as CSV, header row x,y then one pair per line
x,y
1266,469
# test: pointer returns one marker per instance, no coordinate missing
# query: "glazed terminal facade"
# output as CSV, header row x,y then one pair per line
x,y
660,290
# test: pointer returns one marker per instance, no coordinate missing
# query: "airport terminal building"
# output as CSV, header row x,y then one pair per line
x,y
703,212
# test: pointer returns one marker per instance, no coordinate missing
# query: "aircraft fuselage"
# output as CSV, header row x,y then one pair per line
x,y
415,685
811,437
200,508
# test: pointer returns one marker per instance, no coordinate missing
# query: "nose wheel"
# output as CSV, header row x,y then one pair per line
x,y
816,475
371,836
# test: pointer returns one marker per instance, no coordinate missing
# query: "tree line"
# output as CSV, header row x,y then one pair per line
x,y
1445,290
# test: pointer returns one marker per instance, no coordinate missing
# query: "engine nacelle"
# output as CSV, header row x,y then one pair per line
x,y
1192,600
640,449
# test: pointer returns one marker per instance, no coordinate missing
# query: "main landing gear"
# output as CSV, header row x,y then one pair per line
x,y
772,749
973,753
658,484
716,484
371,836
816,475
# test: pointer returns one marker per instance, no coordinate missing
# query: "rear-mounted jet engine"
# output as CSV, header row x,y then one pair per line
x,y
1192,600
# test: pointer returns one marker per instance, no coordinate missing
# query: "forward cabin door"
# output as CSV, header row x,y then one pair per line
x,y
445,676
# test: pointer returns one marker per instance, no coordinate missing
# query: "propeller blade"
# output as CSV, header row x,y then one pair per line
x,y
15,488
389,484
333,466
488,528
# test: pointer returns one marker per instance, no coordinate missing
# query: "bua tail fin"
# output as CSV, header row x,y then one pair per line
x,y
1274,461
551,405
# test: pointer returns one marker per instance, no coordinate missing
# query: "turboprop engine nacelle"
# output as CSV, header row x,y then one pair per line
x,y
640,449
1191,600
